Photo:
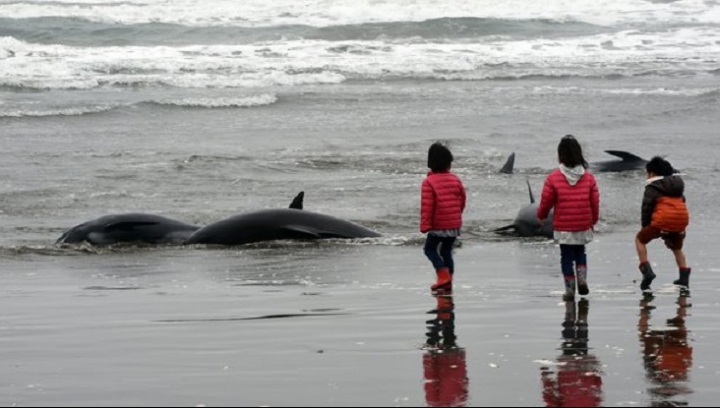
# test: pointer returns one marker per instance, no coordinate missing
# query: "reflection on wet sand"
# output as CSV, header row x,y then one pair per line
x,y
446,380
577,379
667,355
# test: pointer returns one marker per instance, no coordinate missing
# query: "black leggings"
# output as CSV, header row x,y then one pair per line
x,y
572,256
439,252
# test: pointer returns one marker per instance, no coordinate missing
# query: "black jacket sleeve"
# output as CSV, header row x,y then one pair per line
x,y
649,202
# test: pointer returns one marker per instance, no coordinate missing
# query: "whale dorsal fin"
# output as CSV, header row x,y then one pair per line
x,y
509,167
625,156
299,201
532,196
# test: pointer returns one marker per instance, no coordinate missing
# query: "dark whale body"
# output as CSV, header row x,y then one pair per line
x,y
127,228
627,162
279,224
138,228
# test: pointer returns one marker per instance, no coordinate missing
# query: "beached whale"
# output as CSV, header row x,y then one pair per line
x,y
627,162
127,228
138,228
282,224
526,223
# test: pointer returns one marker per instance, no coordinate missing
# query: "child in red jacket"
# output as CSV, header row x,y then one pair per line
x,y
573,192
443,203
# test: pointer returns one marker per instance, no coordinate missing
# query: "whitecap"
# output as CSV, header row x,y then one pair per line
x,y
75,111
318,13
243,102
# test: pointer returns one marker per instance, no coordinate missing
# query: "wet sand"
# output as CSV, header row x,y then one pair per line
x,y
337,324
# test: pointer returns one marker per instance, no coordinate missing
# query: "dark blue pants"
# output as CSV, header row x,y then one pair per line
x,y
439,252
572,256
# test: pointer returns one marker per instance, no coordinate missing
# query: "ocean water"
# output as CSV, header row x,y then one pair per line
x,y
199,110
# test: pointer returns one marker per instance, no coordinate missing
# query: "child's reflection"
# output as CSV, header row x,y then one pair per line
x,y
667,355
446,381
577,381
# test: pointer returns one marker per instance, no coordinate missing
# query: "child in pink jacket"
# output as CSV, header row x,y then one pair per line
x,y
572,190
443,203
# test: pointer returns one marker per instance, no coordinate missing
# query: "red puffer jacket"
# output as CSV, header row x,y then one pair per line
x,y
443,202
577,208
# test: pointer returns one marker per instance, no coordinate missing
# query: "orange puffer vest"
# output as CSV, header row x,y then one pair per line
x,y
671,214
664,204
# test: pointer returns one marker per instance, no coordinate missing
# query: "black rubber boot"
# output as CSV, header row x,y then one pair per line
x,y
684,278
583,289
648,276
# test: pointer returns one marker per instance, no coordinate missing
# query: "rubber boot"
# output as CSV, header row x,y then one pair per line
x,y
648,276
684,278
444,282
583,289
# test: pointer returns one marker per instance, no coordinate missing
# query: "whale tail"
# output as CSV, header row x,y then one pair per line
x,y
509,167
625,156
299,202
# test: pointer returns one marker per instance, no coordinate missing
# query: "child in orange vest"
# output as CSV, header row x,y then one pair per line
x,y
664,215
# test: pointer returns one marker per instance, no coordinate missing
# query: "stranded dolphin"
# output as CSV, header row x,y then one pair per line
x,y
527,224
627,162
144,228
271,225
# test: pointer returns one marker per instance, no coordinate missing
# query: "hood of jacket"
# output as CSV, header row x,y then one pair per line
x,y
574,174
671,186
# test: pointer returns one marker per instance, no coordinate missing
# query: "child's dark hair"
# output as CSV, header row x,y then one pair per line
x,y
660,166
570,152
439,158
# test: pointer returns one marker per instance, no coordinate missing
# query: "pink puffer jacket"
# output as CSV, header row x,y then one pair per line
x,y
443,202
577,208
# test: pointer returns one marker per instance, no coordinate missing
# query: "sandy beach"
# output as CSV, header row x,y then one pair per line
x,y
339,325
